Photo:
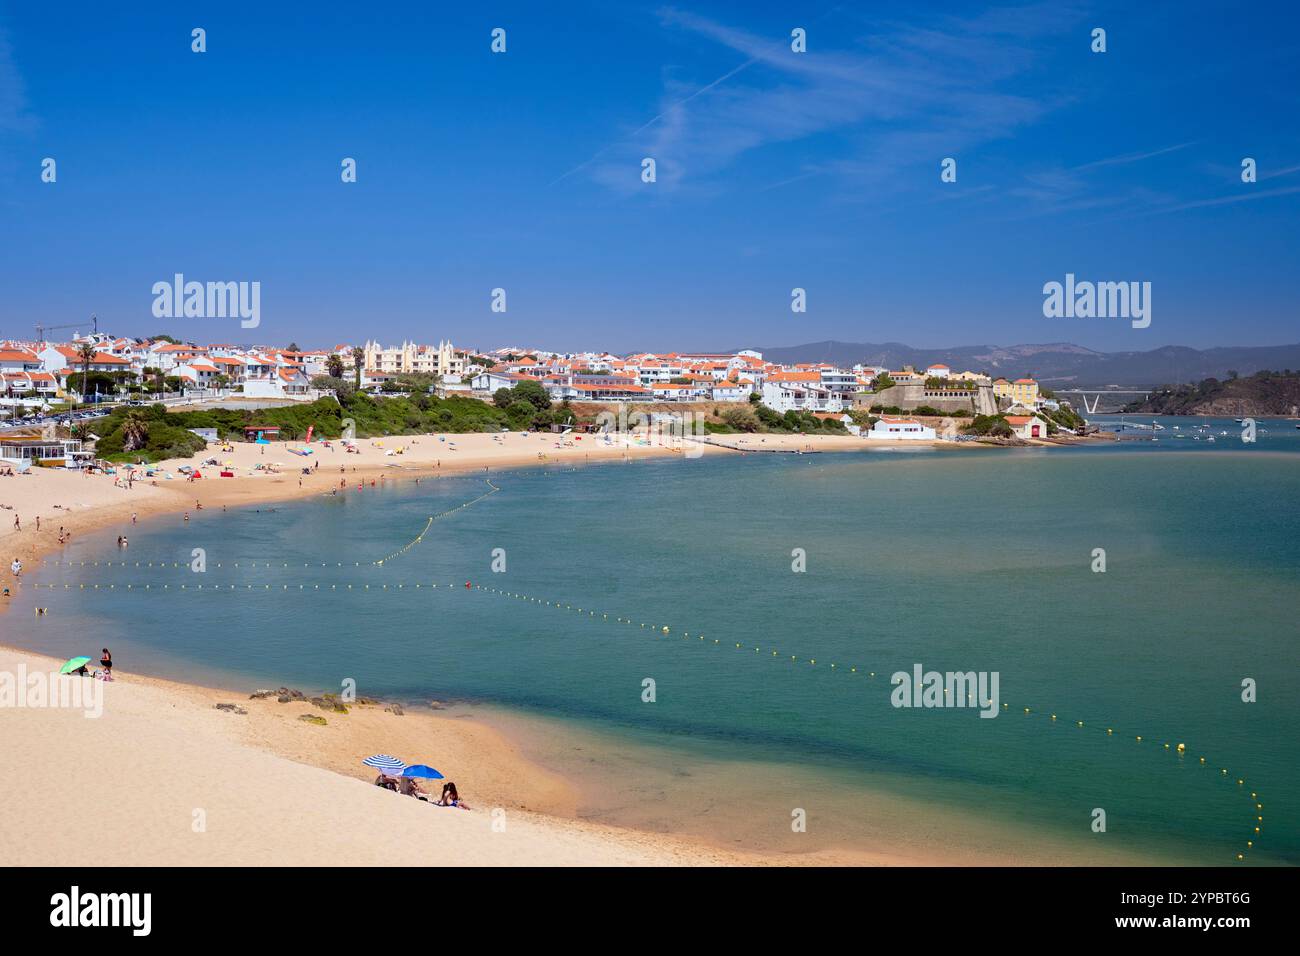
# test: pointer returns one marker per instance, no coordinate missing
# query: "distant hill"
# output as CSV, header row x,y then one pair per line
x,y
1262,394
1058,364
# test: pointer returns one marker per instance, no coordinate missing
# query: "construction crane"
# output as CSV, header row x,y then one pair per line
x,y
42,329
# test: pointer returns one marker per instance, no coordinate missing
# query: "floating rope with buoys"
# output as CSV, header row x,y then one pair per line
x,y
1179,749
432,518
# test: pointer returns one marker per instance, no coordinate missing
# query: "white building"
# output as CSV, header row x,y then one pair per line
x,y
901,429
802,396
731,392
1028,426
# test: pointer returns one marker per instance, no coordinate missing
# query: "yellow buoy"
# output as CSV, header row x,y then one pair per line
x,y
1182,747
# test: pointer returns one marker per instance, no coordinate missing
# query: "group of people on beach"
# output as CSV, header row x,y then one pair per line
x,y
409,788
106,667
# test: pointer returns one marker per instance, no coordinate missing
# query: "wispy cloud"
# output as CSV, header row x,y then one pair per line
x,y
897,96
1249,196
1130,157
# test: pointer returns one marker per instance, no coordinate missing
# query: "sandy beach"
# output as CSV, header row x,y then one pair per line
x,y
162,777
273,787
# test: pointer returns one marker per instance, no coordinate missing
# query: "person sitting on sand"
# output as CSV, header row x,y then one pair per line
x,y
385,781
450,798
408,787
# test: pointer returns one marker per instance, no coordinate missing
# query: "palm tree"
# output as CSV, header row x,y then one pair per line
x,y
87,355
135,430
358,356
334,366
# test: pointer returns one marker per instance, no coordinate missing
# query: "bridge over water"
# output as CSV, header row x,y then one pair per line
x,y
1121,397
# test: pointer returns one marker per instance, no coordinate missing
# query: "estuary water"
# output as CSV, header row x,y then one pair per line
x,y
791,588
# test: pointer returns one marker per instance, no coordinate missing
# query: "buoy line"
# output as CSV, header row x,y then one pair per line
x,y
1178,749
432,518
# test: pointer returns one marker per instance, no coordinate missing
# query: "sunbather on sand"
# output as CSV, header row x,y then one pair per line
x,y
450,798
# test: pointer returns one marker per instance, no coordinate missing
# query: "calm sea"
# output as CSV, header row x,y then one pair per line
x,y
957,560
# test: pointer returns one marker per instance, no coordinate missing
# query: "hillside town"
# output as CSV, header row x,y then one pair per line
x,y
40,377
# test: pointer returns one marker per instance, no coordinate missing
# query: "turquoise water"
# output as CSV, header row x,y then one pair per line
x,y
970,559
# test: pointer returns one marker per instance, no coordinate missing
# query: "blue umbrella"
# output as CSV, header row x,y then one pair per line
x,y
384,762
420,770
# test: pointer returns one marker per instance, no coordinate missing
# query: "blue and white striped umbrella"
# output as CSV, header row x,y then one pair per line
x,y
384,762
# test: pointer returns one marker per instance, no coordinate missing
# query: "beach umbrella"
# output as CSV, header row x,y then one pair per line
x,y
420,770
384,763
73,664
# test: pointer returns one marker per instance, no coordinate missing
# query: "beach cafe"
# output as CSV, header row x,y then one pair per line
x,y
43,452
261,433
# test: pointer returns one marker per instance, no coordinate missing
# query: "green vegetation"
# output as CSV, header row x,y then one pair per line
x,y
148,433
934,382
927,410
882,382
166,435
1262,394
798,421
993,426
1063,417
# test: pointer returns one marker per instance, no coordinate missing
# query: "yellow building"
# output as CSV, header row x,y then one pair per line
x,y
1023,391
441,359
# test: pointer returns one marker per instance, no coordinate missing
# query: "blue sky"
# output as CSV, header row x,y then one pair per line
x,y
775,170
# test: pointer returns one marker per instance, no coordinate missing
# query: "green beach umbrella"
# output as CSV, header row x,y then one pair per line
x,y
73,664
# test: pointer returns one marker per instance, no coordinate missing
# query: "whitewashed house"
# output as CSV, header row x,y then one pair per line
x,y
900,429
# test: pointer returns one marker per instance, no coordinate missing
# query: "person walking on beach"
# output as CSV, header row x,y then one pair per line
x,y
106,662
38,522
18,525
132,517
16,569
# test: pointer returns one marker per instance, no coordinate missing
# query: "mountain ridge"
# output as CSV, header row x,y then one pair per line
x,y
1056,364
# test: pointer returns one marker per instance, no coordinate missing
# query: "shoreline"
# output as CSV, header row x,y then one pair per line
x,y
499,774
